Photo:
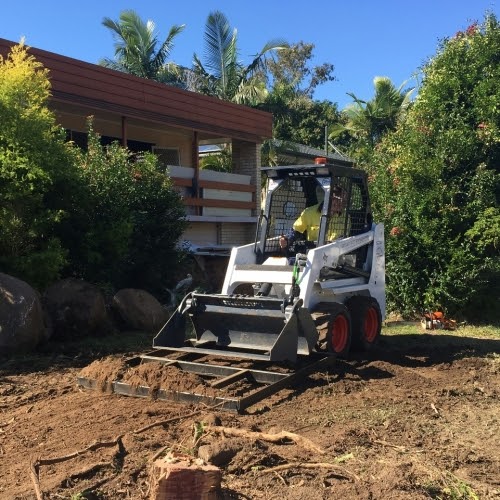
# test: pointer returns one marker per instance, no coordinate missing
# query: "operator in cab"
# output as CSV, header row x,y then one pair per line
x,y
307,225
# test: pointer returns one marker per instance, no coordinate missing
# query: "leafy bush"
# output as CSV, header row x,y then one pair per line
x,y
102,214
33,163
128,220
436,183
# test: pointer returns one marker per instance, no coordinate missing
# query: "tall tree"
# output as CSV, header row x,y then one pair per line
x,y
298,118
222,74
138,49
292,68
436,183
368,121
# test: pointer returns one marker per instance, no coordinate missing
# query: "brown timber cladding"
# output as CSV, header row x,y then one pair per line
x,y
77,82
204,202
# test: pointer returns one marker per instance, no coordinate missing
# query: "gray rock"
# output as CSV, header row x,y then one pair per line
x,y
139,310
219,453
22,325
76,309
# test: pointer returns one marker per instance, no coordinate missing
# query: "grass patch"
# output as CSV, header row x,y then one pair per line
x,y
465,331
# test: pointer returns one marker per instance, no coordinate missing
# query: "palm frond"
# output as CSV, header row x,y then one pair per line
x,y
220,44
259,61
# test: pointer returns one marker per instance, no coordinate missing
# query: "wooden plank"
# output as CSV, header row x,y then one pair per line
x,y
192,112
203,202
222,194
178,181
146,93
230,379
147,116
227,186
60,65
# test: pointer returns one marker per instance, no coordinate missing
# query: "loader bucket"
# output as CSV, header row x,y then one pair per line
x,y
259,328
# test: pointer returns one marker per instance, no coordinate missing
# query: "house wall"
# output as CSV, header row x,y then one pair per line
x,y
161,137
247,161
138,109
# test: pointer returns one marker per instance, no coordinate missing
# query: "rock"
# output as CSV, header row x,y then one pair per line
x,y
76,309
211,419
219,453
139,310
22,325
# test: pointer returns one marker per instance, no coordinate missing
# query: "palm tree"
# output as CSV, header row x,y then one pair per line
x,y
223,75
138,50
370,120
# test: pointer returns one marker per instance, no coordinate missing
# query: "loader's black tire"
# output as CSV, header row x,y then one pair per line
x,y
333,323
366,320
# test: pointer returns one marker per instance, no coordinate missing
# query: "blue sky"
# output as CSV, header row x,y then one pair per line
x,y
362,39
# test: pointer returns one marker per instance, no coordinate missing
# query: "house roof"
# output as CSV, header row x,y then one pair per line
x,y
90,87
302,151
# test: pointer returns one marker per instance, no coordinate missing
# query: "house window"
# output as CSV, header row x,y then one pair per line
x,y
134,146
78,138
167,156
81,140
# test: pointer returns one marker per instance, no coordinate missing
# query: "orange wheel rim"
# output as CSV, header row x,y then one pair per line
x,y
339,333
371,324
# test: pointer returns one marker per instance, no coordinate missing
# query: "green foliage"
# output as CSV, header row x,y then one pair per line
x,y
297,117
300,119
102,214
292,68
138,50
436,182
222,161
363,124
33,163
128,221
222,75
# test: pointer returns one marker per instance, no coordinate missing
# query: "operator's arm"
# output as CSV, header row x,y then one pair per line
x,y
287,239
298,230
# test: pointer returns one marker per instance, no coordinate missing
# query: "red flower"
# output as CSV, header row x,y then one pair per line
x,y
396,231
472,29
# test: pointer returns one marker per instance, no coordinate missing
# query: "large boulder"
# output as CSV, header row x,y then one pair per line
x,y
139,310
22,325
77,309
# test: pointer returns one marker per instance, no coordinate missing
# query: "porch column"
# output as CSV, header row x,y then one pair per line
x,y
124,131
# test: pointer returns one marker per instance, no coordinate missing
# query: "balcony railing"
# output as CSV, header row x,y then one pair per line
x,y
215,194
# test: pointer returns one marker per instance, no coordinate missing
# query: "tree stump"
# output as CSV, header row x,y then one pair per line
x,y
183,477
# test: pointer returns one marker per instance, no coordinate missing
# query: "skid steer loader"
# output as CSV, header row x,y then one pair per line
x,y
313,300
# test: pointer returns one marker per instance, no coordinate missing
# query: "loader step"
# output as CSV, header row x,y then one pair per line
x,y
234,387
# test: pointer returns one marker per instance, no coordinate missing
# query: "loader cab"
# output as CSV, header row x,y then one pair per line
x,y
344,212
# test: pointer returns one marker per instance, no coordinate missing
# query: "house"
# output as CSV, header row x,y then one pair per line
x,y
174,124
292,153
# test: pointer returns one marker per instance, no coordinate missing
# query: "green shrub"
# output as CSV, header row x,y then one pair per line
x,y
33,163
436,184
128,221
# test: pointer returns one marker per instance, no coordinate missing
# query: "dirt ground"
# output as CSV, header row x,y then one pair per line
x,y
419,417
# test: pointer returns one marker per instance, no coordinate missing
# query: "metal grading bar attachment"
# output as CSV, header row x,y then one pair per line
x,y
263,382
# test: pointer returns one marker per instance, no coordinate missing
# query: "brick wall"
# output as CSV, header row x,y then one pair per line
x,y
247,161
